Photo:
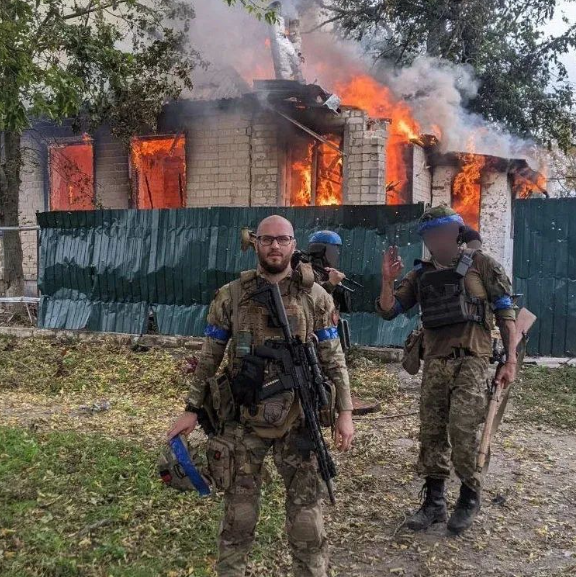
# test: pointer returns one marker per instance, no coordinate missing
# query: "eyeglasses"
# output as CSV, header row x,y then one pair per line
x,y
283,240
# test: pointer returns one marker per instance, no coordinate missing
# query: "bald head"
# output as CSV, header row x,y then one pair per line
x,y
275,225
275,244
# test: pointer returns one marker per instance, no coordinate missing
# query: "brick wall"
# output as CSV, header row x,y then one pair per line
x,y
364,161
111,182
218,147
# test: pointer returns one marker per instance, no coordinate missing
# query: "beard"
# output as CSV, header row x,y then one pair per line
x,y
275,268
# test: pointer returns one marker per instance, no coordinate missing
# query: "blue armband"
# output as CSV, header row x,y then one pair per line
x,y
327,334
217,333
502,303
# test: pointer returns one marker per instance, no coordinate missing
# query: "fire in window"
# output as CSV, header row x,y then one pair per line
x,y
71,171
466,189
315,171
158,171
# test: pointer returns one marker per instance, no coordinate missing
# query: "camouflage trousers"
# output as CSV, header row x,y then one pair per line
x,y
453,406
304,522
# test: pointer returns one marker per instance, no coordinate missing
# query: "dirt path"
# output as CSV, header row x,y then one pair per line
x,y
527,526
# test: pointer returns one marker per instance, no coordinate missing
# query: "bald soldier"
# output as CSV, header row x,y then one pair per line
x,y
249,430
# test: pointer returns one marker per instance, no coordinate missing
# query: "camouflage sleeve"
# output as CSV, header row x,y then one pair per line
x,y
330,350
405,297
217,333
498,287
328,286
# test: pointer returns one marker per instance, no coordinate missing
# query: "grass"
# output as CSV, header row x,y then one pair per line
x,y
79,495
547,396
81,505
46,366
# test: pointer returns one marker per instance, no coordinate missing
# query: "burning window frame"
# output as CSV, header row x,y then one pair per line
x,y
316,150
59,145
178,140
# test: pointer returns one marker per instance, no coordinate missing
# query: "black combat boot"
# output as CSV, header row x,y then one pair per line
x,y
433,508
467,507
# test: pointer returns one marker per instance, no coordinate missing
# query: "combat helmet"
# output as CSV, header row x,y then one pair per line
x,y
438,216
177,470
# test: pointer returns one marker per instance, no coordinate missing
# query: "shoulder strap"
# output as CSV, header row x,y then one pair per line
x,y
236,287
306,275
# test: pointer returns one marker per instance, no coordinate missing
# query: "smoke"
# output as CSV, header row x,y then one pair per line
x,y
436,90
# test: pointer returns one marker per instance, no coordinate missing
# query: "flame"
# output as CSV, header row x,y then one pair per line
x,y
329,186
466,188
377,100
301,175
524,186
160,171
328,173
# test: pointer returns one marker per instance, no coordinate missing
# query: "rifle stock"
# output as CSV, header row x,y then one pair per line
x,y
498,395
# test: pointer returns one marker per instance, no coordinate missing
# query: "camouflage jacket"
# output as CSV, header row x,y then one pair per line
x,y
311,313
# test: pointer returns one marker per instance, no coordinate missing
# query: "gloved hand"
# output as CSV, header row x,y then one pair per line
x,y
249,381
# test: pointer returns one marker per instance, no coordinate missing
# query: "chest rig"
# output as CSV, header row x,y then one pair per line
x,y
251,321
443,297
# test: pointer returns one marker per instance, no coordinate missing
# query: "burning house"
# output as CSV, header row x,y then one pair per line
x,y
279,142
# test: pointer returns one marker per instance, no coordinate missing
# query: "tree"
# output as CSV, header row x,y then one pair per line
x,y
96,61
523,83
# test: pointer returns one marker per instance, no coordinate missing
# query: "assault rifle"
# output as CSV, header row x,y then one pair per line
x,y
497,394
319,263
301,372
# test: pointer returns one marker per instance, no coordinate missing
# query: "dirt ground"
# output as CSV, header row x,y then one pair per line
x,y
527,526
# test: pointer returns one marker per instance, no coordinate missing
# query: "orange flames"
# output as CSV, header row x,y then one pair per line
x,y
524,186
326,181
378,101
466,189
301,175
329,187
159,171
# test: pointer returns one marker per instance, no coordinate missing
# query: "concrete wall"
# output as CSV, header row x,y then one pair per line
x,y
496,217
421,176
442,177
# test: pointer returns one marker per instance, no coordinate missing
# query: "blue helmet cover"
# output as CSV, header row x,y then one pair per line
x,y
181,453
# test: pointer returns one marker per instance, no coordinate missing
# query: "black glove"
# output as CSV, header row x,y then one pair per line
x,y
249,381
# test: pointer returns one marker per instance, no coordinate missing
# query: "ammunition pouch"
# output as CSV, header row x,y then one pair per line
x,y
328,412
223,402
221,456
413,352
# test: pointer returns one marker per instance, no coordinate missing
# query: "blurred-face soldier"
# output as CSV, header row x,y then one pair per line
x,y
459,291
245,436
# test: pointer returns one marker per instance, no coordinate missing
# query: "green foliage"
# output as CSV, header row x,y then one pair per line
x,y
261,10
547,396
116,62
523,83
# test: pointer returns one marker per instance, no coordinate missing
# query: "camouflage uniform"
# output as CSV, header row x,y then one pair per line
x,y
456,360
276,427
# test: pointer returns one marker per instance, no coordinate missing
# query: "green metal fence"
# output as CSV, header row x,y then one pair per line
x,y
110,270
545,272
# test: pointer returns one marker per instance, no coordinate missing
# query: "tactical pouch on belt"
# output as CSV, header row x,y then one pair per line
x,y
269,413
328,412
222,398
413,352
220,456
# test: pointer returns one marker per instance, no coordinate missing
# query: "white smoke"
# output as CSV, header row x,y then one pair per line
x,y
436,90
